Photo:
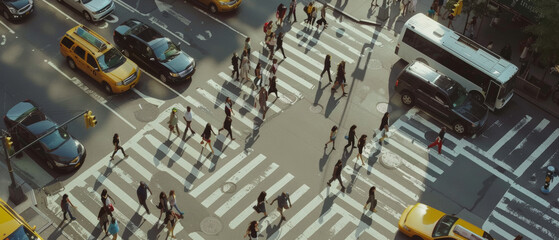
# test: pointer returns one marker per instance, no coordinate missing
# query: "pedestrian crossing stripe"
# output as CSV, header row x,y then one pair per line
x,y
210,181
251,92
249,123
318,41
310,42
273,217
280,84
281,70
313,75
237,100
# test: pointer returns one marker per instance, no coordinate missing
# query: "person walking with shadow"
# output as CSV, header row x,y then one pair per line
x,y
351,137
113,228
337,174
103,218
206,136
188,119
279,44
107,201
228,107
332,140
439,140
142,193
245,66
292,8
340,78
283,201
261,204
326,67
173,122
360,146
252,230
383,127
262,98
322,19
273,87
173,202
163,204
235,63
227,126
257,76
116,144
372,200
65,204
247,48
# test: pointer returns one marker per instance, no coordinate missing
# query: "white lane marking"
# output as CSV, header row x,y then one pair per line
x,y
503,205
296,53
514,225
417,157
219,21
307,46
294,198
364,227
129,8
4,40
285,86
391,182
239,101
508,136
312,74
536,153
241,193
249,91
319,222
266,72
218,174
213,100
163,26
348,47
152,100
62,12
248,210
139,168
90,92
195,236
298,42
543,123
144,154
9,29
493,228
235,179
173,156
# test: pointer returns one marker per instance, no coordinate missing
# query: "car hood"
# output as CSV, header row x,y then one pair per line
x,y
123,71
423,218
179,63
18,4
472,110
96,5
68,151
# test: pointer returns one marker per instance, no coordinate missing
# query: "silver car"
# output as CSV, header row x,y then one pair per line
x,y
92,10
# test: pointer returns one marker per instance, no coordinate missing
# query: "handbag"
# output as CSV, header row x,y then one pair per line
x,y
255,207
111,207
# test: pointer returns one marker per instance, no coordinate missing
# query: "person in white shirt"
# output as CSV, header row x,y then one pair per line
x,y
188,118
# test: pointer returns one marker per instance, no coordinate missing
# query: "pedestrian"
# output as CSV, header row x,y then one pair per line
x,y
506,52
247,47
274,67
261,201
235,63
326,67
340,78
322,19
431,12
404,6
271,44
171,223
173,122
227,126
283,201
332,140
313,15
337,174
450,19
292,7
163,204
206,135
273,88
107,201
360,145
351,137
262,98
245,66
413,5
439,140
65,204
439,6
103,218
116,143
142,193
518,237
257,76
268,28
173,202
113,228
372,200
228,107
374,3
383,127
470,28
252,230
280,13
308,11
188,119
279,44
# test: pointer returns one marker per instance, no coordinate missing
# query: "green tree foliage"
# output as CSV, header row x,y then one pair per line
x,y
546,31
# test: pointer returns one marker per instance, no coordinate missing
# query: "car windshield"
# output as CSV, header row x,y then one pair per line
x,y
55,139
21,233
110,60
457,94
444,225
165,49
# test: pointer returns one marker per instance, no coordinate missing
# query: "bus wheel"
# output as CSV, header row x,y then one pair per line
x,y
477,96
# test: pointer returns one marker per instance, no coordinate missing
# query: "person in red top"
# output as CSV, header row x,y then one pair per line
x,y
439,140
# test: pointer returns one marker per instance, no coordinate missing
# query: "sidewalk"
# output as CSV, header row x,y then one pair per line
x,y
388,16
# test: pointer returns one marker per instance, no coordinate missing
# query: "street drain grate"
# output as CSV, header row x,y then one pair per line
x,y
211,225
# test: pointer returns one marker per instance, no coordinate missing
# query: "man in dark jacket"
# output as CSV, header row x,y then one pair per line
x,y
235,63
326,67
142,193
337,174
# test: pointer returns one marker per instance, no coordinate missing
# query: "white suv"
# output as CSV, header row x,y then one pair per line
x,y
92,10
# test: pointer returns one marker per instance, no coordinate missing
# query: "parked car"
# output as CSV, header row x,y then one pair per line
x,y
92,10
89,52
440,96
219,5
150,48
16,9
422,222
60,151
14,226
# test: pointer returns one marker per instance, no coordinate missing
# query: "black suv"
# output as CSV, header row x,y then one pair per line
x,y
159,54
441,96
16,9
26,123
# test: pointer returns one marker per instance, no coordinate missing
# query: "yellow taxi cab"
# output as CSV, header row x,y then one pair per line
x,y
423,222
220,5
87,51
12,226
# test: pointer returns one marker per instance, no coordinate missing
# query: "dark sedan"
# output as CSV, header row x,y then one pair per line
x,y
16,9
151,49
60,151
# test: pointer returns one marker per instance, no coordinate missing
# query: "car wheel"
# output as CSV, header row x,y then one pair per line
x,y
71,63
459,127
477,96
213,8
50,164
163,78
126,53
107,88
407,98
6,14
87,16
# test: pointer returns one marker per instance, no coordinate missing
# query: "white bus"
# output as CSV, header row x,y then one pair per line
x,y
487,77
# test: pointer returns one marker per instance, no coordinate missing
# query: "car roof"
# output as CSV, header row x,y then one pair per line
x,y
25,112
423,71
90,40
41,127
142,30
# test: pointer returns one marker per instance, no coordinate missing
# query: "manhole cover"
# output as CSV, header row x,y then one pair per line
x,y
316,108
383,107
211,225
228,187
390,160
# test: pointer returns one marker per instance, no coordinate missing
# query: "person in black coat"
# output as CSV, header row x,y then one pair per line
x,y
383,127
337,174
372,200
235,63
351,137
227,126
279,44
327,66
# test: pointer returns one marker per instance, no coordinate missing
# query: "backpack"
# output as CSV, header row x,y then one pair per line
x,y
305,8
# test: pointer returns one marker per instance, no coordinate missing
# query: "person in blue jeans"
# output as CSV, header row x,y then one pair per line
x,y
173,202
65,205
